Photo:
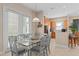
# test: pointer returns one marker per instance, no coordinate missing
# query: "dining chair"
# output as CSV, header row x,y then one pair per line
x,y
25,37
14,46
48,38
21,37
41,48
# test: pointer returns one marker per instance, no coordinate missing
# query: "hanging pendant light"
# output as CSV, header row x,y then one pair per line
x,y
36,19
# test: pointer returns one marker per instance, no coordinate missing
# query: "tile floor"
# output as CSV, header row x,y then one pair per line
x,y
58,50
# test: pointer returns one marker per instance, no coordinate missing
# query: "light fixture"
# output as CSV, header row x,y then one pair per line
x,y
36,19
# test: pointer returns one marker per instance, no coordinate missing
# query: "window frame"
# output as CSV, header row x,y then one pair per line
x,y
8,19
21,17
25,24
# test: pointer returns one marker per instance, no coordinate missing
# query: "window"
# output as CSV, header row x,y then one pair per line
x,y
59,25
26,25
12,23
18,24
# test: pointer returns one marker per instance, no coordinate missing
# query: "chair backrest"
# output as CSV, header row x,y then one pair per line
x,y
12,42
24,36
21,37
42,41
45,41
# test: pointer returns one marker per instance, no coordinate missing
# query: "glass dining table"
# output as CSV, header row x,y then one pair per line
x,y
28,45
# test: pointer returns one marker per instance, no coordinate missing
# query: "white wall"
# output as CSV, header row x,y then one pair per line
x,y
1,28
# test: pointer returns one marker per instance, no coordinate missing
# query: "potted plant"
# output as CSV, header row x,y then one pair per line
x,y
73,27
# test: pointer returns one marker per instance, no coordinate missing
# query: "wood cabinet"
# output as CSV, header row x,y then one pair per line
x,y
77,34
53,35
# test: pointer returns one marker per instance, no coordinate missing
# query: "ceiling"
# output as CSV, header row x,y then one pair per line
x,y
54,9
